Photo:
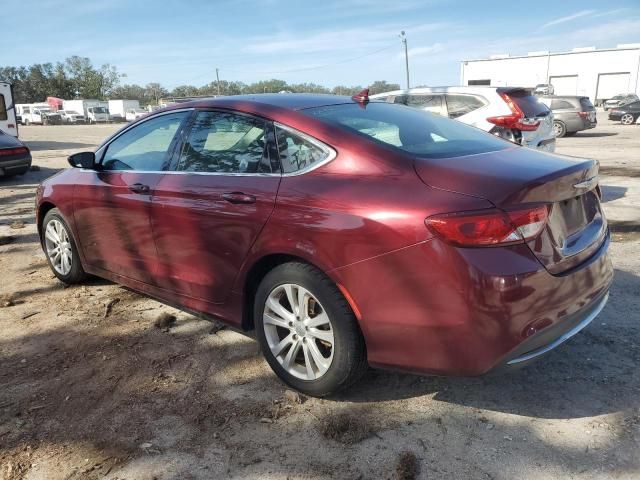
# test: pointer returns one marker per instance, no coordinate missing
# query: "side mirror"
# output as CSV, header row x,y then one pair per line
x,y
83,160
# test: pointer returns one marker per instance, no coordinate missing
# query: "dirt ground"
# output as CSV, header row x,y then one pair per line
x,y
91,388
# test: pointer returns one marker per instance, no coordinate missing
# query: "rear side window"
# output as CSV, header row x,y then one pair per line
x,y
222,142
3,108
299,152
560,104
530,105
409,130
586,104
459,105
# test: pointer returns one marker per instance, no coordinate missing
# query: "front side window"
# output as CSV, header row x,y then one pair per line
x,y
223,142
297,152
459,105
409,130
146,146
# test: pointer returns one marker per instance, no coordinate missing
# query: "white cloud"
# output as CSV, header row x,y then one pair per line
x,y
568,18
421,51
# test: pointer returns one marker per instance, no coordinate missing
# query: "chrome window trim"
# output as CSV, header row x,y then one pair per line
x,y
330,152
176,172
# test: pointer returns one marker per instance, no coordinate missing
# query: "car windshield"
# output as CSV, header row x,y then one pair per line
x,y
99,110
409,130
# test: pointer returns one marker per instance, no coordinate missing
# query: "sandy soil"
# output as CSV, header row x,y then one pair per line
x,y
91,387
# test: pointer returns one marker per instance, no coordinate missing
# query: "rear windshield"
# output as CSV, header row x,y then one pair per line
x,y
530,105
408,129
586,103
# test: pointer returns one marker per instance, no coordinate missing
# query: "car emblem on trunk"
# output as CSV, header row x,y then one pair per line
x,y
588,183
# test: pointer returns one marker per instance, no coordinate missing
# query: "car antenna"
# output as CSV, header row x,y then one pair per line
x,y
362,97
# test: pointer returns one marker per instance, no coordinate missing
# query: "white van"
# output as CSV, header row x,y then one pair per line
x,y
8,120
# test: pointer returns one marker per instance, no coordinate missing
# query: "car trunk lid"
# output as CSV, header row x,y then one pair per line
x,y
520,176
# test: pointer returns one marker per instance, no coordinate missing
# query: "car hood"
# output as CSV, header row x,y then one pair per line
x,y
510,176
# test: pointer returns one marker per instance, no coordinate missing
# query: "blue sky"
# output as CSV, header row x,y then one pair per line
x,y
329,42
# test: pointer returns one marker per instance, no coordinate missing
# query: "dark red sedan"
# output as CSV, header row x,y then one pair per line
x,y
344,232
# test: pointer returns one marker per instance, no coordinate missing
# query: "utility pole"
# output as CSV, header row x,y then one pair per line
x,y
406,55
218,81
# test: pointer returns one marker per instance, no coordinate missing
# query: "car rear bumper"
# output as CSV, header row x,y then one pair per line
x,y
9,167
466,311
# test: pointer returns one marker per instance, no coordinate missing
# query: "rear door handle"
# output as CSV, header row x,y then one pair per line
x,y
238,197
139,188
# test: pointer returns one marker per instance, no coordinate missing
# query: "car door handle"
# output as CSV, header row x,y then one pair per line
x,y
139,188
238,197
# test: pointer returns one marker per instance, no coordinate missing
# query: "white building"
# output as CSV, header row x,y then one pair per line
x,y
597,73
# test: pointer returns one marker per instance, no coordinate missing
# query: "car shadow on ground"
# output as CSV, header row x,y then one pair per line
x,y
30,179
611,192
38,145
596,372
584,134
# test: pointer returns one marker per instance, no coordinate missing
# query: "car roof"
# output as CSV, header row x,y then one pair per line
x,y
288,101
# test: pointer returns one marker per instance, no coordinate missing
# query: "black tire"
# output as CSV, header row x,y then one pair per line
x,y
76,274
559,129
349,352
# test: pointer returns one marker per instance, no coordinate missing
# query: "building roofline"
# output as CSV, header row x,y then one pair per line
x,y
553,54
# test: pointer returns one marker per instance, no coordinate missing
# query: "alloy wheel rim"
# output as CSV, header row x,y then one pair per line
x,y
58,246
298,331
557,129
627,119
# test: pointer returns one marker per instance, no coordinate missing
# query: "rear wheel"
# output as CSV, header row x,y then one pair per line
x,y
307,331
627,119
559,129
61,250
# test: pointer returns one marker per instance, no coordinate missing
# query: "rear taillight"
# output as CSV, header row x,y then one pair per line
x,y
14,151
517,119
485,228
583,114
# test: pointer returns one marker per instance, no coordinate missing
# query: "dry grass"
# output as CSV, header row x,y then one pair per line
x,y
407,467
346,428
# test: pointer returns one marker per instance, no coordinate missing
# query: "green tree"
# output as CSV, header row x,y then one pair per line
x,y
153,92
381,86
343,90
128,92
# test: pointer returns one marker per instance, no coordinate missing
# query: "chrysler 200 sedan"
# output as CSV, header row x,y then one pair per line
x,y
345,232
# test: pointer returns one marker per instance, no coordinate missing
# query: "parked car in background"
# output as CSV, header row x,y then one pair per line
x,y
571,114
9,117
70,116
485,254
37,114
510,113
625,114
620,100
543,89
134,114
15,157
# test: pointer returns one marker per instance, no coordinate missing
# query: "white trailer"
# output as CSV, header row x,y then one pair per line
x,y
118,108
8,121
95,111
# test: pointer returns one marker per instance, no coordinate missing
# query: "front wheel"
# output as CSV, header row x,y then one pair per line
x,y
61,250
627,119
307,331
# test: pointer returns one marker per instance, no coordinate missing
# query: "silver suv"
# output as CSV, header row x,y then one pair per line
x,y
508,112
